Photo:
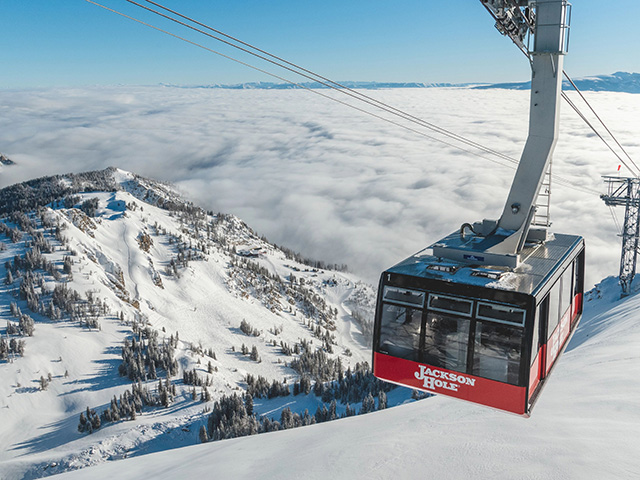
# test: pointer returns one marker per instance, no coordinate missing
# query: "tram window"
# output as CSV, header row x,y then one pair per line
x,y
412,298
541,318
446,341
400,331
443,303
565,296
554,309
500,313
578,269
497,352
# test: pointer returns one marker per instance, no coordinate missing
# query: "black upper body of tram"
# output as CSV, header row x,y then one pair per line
x,y
449,318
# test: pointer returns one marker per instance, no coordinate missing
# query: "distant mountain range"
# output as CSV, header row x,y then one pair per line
x,y
616,82
317,85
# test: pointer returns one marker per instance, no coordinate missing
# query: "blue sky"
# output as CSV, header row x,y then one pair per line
x,y
71,42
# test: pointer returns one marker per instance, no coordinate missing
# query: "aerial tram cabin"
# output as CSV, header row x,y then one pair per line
x,y
484,314
490,336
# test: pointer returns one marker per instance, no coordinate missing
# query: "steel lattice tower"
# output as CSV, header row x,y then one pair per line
x,y
626,192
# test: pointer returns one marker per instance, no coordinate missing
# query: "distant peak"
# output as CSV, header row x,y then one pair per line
x,y
4,160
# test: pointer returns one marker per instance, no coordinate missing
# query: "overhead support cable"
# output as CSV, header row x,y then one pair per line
x,y
325,81
637,169
304,87
615,219
574,107
309,75
277,61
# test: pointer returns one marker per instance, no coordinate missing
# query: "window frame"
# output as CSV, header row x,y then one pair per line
x,y
460,321
421,293
393,341
499,306
476,356
451,312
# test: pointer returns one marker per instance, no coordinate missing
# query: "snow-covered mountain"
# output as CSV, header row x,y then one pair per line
x,y
585,427
616,82
4,160
122,302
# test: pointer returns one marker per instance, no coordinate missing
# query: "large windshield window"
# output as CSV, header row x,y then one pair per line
x,y
446,341
497,351
466,335
400,331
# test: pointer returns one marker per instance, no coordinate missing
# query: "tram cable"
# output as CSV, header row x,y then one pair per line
x,y
603,124
308,74
304,87
584,118
336,85
332,85
615,219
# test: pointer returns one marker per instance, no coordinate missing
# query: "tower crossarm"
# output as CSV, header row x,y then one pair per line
x,y
621,191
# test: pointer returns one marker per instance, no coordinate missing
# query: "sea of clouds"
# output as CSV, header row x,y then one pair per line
x,y
316,176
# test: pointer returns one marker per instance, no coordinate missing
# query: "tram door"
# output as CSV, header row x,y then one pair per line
x,y
560,300
538,351
555,319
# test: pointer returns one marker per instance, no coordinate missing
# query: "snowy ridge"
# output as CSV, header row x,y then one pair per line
x,y
584,426
130,258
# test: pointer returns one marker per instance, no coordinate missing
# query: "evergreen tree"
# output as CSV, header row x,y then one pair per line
x,y
382,400
248,404
204,438
27,325
254,354
368,404
332,410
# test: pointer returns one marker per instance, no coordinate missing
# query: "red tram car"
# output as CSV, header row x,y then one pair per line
x,y
487,335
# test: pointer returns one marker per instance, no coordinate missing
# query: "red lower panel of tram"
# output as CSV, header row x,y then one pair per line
x,y
453,384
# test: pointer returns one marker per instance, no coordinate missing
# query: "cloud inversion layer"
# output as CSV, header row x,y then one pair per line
x,y
313,175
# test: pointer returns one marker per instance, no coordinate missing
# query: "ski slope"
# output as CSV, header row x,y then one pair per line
x,y
585,425
205,302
